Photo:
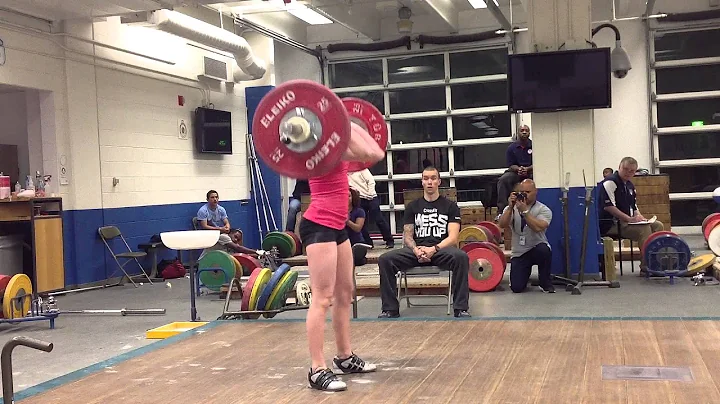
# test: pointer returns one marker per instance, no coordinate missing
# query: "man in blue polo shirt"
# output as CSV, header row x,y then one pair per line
x,y
519,162
617,204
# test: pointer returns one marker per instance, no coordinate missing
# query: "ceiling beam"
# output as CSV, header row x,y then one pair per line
x,y
446,11
498,14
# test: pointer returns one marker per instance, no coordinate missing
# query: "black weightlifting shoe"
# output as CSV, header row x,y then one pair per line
x,y
325,379
353,364
547,289
462,314
389,314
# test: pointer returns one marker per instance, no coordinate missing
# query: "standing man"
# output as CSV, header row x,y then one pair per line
x,y
528,219
519,162
619,208
430,236
364,183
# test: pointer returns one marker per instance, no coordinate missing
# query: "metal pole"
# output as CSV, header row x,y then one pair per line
x,y
6,362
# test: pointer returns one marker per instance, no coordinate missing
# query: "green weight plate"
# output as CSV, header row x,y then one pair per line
x,y
279,294
291,240
224,265
278,240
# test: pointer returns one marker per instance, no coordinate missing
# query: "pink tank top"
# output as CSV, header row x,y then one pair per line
x,y
329,198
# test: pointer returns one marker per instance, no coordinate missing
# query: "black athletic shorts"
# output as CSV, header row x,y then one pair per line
x,y
311,232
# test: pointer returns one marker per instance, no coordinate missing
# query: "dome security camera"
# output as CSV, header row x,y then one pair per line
x,y
619,61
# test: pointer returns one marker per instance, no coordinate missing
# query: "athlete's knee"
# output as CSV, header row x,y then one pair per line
x,y
324,301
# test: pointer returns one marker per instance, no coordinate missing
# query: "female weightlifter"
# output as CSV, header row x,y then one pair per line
x,y
330,262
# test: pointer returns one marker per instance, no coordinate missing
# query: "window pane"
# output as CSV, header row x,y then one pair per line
x,y
399,215
481,126
687,79
414,161
483,189
690,213
693,179
355,74
419,130
381,188
689,146
684,113
400,186
687,45
380,168
481,157
479,95
478,63
417,100
374,97
416,68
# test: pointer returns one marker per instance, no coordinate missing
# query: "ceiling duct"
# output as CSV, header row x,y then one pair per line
x,y
201,32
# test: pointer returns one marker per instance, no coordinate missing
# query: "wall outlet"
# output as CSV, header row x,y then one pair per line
x,y
182,129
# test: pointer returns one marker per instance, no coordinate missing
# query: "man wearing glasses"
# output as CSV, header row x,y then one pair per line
x,y
519,162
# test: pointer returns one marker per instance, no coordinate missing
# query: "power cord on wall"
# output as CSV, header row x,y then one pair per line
x,y
2,53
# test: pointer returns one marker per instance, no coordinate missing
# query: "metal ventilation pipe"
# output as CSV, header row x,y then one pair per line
x,y
190,28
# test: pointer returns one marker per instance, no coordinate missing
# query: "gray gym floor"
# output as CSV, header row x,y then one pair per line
x,y
83,340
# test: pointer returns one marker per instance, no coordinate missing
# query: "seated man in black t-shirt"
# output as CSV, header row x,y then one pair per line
x,y
430,237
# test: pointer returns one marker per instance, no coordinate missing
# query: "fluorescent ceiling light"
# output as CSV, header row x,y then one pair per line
x,y
481,3
311,17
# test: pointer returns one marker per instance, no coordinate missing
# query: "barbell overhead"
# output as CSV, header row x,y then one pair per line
x,y
301,129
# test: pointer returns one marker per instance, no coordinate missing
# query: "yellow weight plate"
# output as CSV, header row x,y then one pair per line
x,y
262,279
470,234
18,287
238,267
697,264
286,283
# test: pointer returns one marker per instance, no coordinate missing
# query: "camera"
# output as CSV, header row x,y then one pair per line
x,y
520,196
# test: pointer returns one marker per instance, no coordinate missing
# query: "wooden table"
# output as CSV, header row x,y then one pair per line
x,y
41,219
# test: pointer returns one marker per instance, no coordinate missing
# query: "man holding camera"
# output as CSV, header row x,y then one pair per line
x,y
528,220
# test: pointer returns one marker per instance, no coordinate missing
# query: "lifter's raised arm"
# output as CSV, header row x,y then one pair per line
x,y
362,146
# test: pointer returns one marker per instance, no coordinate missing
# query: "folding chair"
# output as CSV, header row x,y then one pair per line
x,y
423,271
108,233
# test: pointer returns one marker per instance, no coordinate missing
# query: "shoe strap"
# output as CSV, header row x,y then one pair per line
x,y
356,363
324,377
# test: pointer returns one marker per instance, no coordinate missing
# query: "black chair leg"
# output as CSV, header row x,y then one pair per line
x,y
621,255
632,258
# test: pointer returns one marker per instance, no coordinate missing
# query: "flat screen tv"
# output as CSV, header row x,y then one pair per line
x,y
213,131
560,81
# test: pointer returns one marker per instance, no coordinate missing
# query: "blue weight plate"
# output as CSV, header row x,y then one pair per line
x,y
267,291
667,253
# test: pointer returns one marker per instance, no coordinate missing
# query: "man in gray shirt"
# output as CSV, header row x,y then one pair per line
x,y
528,220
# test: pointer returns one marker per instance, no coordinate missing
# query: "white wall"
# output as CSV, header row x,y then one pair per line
x,y
13,128
105,119
624,129
34,129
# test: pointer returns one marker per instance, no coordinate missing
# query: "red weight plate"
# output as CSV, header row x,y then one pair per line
x,y
709,226
4,280
652,236
472,245
486,270
495,229
247,290
499,251
298,244
489,236
707,219
328,120
248,262
366,115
